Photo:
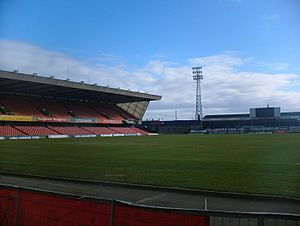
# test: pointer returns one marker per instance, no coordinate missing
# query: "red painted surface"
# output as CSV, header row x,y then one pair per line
x,y
29,208
129,216
8,206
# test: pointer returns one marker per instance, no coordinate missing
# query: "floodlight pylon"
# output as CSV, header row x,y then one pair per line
x,y
197,77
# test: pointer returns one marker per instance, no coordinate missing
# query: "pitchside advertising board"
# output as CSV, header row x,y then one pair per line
x,y
15,118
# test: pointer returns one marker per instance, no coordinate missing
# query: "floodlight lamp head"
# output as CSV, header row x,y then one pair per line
x,y
197,68
197,77
197,72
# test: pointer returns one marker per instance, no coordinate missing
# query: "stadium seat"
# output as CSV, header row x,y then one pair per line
x,y
36,130
99,130
70,130
33,106
19,106
81,110
10,131
50,111
54,108
109,111
139,131
124,114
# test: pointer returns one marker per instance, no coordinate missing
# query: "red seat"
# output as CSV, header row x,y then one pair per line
x,y
36,130
10,131
54,108
70,130
19,106
99,130
109,110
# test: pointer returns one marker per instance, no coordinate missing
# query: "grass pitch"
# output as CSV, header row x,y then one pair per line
x,y
268,164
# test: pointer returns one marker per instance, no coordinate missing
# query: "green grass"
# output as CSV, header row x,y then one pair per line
x,y
268,164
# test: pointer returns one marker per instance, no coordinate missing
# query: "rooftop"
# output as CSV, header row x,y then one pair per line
x,y
33,85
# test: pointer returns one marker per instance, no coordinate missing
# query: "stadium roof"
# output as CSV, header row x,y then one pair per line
x,y
33,85
227,116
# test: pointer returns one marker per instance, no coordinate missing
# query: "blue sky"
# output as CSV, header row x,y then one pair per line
x,y
156,37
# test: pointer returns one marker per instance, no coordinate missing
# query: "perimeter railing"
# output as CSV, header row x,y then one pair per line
x,y
30,207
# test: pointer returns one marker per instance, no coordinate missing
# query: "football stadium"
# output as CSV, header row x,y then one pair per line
x,y
73,153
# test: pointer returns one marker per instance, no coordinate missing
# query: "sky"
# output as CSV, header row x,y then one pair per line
x,y
249,49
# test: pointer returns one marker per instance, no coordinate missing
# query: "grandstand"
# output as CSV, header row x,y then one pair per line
x,y
34,106
258,120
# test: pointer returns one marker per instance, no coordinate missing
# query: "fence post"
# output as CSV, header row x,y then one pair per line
x,y
18,207
261,220
205,204
112,213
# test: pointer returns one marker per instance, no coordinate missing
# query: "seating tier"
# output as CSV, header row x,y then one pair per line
x,y
10,131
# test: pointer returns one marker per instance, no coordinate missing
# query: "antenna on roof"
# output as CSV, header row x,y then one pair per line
x,y
107,81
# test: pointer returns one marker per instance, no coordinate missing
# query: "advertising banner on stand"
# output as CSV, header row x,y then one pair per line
x,y
16,118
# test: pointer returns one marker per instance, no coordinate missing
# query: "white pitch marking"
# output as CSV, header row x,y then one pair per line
x,y
150,198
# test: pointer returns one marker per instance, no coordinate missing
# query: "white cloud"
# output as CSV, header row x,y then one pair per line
x,y
277,66
226,87
270,17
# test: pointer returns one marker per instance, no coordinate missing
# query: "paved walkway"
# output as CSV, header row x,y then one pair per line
x,y
161,197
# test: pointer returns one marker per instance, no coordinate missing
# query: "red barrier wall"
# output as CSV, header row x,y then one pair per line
x,y
30,208
44,209
8,206
127,216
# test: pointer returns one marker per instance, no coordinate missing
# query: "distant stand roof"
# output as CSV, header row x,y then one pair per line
x,y
228,116
290,114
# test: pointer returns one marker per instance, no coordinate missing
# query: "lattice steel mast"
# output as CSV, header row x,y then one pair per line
x,y
198,76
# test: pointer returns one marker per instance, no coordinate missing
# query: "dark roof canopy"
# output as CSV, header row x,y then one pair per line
x,y
227,116
25,84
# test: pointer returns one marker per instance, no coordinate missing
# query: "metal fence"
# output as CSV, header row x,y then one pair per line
x,y
28,207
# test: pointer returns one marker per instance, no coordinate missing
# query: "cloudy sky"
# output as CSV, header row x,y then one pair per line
x,y
249,49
